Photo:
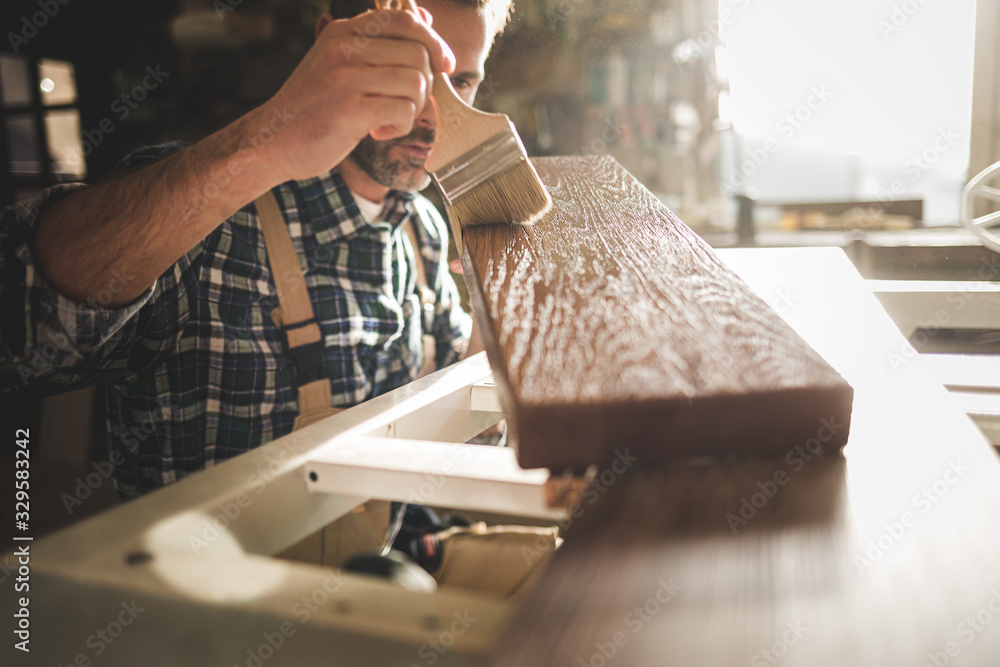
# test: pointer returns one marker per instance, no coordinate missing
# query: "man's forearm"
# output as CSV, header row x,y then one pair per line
x,y
139,223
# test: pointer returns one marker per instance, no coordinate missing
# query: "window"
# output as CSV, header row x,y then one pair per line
x,y
849,101
40,143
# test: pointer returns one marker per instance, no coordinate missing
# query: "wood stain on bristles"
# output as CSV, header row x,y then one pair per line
x,y
515,196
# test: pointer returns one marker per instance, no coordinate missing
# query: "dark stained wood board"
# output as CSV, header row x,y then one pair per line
x,y
888,555
609,324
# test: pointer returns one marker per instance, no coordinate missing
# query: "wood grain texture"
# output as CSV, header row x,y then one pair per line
x,y
888,555
610,324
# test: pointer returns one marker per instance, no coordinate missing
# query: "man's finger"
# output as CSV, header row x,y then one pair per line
x,y
393,116
399,53
395,53
389,24
402,82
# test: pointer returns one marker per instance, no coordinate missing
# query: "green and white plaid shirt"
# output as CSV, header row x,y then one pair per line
x,y
195,370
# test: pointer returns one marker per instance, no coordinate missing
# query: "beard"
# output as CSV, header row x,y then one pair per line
x,y
406,173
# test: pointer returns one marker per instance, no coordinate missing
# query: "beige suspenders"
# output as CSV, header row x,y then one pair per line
x,y
477,557
427,300
295,313
367,526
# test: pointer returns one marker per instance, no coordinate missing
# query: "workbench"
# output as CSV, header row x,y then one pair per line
x,y
885,555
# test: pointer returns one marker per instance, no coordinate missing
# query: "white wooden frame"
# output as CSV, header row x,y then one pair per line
x,y
195,556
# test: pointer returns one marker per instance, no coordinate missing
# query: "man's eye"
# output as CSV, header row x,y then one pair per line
x,y
460,83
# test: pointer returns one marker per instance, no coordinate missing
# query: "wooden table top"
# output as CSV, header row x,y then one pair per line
x,y
887,555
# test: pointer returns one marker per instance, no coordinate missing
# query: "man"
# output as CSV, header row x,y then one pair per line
x,y
157,280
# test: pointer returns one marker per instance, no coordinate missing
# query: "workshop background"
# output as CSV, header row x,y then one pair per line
x,y
759,123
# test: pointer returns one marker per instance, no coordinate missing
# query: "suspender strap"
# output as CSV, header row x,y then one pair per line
x,y
424,292
427,300
297,320
296,310
421,271
295,317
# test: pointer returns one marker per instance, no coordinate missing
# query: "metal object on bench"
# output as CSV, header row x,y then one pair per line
x,y
980,189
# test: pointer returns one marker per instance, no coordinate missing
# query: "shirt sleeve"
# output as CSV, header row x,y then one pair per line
x,y
451,326
50,343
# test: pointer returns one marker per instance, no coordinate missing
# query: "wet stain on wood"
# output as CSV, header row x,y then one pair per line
x,y
609,324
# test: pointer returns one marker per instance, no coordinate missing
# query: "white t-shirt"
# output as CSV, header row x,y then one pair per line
x,y
370,209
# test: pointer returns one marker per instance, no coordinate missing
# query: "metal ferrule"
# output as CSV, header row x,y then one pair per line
x,y
496,155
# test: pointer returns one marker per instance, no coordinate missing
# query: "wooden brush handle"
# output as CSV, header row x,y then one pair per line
x,y
460,128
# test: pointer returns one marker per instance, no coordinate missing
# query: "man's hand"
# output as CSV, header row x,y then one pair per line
x,y
370,74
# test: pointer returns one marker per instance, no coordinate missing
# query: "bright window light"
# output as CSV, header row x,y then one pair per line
x,y
880,91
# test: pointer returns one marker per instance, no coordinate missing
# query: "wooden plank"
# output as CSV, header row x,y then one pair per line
x,y
842,561
609,324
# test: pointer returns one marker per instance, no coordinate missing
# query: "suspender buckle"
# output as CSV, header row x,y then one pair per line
x,y
308,358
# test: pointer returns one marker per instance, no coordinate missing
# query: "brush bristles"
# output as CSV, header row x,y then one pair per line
x,y
515,196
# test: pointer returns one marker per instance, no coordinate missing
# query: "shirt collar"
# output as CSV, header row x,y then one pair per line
x,y
325,204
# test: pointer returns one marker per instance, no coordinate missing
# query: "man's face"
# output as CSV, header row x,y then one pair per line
x,y
399,163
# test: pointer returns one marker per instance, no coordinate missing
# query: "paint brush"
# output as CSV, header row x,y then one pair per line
x,y
479,164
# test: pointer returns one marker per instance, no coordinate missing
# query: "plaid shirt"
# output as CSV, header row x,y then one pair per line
x,y
195,370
